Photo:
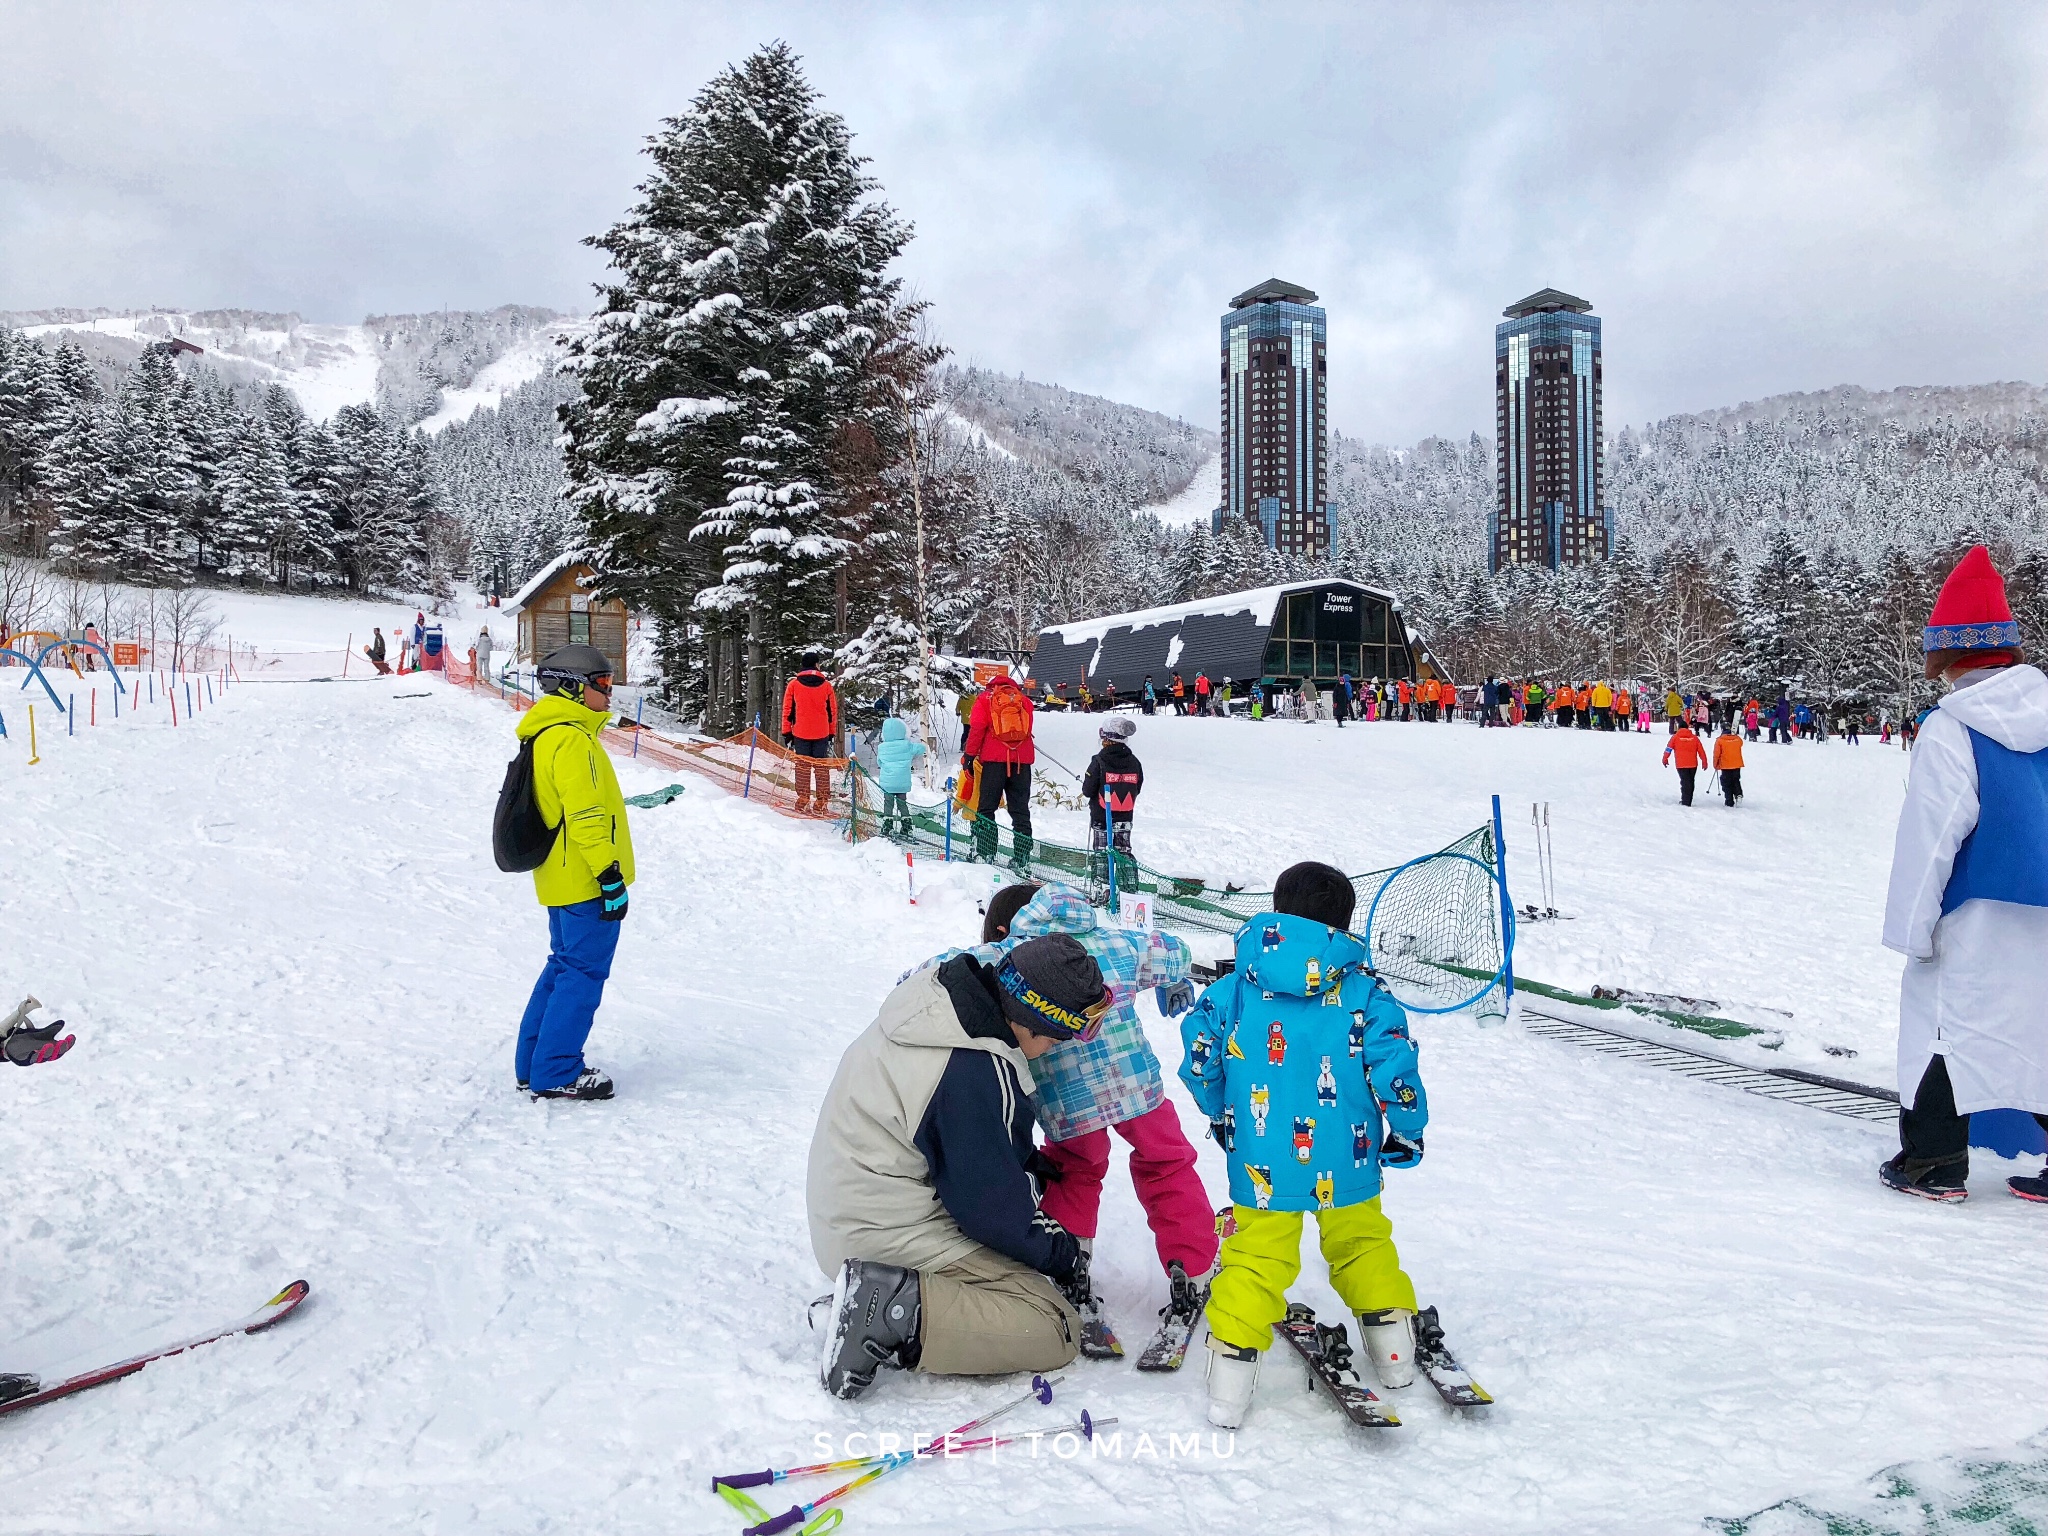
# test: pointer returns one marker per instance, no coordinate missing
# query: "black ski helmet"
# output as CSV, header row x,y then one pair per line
x,y
812,661
566,669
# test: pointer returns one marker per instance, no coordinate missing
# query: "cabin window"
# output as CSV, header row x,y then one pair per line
x,y
579,628
1326,659
1276,657
1301,658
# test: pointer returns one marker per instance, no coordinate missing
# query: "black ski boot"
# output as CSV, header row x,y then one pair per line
x,y
593,1084
12,1387
875,1321
2030,1186
1945,1179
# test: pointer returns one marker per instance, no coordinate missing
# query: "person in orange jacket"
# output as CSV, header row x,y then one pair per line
x,y
1692,756
1406,690
1427,697
1728,762
810,722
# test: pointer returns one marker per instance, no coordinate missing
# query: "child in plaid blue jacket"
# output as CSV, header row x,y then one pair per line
x,y
1086,1088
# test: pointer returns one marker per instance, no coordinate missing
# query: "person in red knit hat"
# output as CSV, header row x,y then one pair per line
x,y
1968,904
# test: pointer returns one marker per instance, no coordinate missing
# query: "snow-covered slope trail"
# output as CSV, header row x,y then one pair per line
x,y
295,973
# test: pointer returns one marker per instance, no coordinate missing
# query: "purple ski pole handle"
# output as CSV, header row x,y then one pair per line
x,y
743,1480
1087,1426
779,1523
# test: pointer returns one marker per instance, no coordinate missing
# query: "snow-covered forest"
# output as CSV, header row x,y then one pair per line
x,y
174,476
770,450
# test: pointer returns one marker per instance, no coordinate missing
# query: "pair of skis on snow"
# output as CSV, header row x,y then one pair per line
x,y
1325,1349
29,1393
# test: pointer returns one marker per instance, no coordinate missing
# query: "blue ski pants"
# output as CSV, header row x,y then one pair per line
x,y
565,999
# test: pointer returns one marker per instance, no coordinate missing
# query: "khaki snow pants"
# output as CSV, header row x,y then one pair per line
x,y
988,1315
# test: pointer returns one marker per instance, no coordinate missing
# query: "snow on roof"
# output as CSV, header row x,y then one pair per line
x,y
1259,601
544,575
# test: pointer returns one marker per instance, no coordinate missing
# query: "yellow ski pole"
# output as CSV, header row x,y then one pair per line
x,y
33,758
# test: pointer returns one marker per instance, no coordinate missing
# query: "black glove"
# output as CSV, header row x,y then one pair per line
x,y
1174,998
1042,1168
1399,1152
611,886
27,1046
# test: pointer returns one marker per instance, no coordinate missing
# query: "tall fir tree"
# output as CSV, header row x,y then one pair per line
x,y
750,289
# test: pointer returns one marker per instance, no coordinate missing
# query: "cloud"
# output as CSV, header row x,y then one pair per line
x,y
1755,198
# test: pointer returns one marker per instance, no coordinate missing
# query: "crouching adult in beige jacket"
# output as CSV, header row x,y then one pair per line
x,y
922,1194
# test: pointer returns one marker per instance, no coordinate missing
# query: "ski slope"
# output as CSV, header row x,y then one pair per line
x,y
295,973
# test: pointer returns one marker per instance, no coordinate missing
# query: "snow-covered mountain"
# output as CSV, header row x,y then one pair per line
x,y
430,369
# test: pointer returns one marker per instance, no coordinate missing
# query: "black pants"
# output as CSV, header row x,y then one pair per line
x,y
1931,1130
1685,778
1731,784
998,785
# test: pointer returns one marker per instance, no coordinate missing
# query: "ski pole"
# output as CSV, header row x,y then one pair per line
x,y
882,1467
1041,1392
910,874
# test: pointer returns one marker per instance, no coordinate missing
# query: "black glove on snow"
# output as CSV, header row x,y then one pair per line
x,y
611,887
27,1046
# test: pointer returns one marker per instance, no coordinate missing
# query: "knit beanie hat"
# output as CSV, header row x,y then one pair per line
x,y
1119,728
1972,614
1052,986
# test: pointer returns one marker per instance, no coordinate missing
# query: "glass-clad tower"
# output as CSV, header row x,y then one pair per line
x,y
1275,424
1550,505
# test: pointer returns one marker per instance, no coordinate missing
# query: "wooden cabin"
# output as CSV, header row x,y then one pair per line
x,y
555,609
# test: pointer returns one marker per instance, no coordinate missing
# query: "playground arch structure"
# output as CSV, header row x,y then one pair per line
x,y
35,665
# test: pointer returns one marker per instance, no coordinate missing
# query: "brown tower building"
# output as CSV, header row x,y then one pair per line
x,y
1550,504
1276,433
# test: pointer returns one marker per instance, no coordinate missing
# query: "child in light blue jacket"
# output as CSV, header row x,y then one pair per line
x,y
893,761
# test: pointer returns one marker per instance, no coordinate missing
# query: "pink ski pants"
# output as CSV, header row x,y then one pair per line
x,y
1163,1172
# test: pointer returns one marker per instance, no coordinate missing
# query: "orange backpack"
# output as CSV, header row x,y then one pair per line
x,y
1009,717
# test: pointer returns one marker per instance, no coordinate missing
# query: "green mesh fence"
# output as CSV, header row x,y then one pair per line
x,y
1435,932
2004,1495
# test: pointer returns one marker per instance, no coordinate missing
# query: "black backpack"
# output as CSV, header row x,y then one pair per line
x,y
521,838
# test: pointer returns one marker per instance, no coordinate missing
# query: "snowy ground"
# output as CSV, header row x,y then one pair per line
x,y
1771,909
295,974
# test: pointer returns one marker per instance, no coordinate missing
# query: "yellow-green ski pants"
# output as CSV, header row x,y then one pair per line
x,y
1263,1257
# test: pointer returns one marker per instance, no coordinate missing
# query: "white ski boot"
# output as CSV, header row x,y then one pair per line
x,y
1389,1337
1233,1377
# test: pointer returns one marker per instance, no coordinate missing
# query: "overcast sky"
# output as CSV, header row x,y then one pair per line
x,y
1755,199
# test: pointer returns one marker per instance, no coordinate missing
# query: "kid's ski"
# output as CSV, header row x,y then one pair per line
x,y
272,1312
1178,1320
1453,1383
1098,1339
1325,1348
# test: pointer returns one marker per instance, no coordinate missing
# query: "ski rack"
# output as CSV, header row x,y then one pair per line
x,y
1835,1095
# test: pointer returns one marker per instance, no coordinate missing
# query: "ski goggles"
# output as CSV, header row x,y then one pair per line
x,y
1047,1016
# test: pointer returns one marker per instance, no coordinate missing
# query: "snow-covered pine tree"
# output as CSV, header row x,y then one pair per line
x,y
1776,624
152,474
749,288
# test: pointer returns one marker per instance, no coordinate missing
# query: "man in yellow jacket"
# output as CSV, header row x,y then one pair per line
x,y
583,881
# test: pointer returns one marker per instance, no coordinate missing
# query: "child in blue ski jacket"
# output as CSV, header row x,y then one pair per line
x,y
894,759
1297,1057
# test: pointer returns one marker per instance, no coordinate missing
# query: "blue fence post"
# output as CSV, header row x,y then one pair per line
x,y
949,819
71,717
1507,906
747,790
637,710
1110,853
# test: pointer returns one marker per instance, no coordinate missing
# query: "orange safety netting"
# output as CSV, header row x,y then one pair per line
x,y
748,764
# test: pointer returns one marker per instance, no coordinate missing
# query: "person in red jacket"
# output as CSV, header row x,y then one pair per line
x,y
810,722
1692,757
999,738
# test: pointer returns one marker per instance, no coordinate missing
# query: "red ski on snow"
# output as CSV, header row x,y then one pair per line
x,y
273,1311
